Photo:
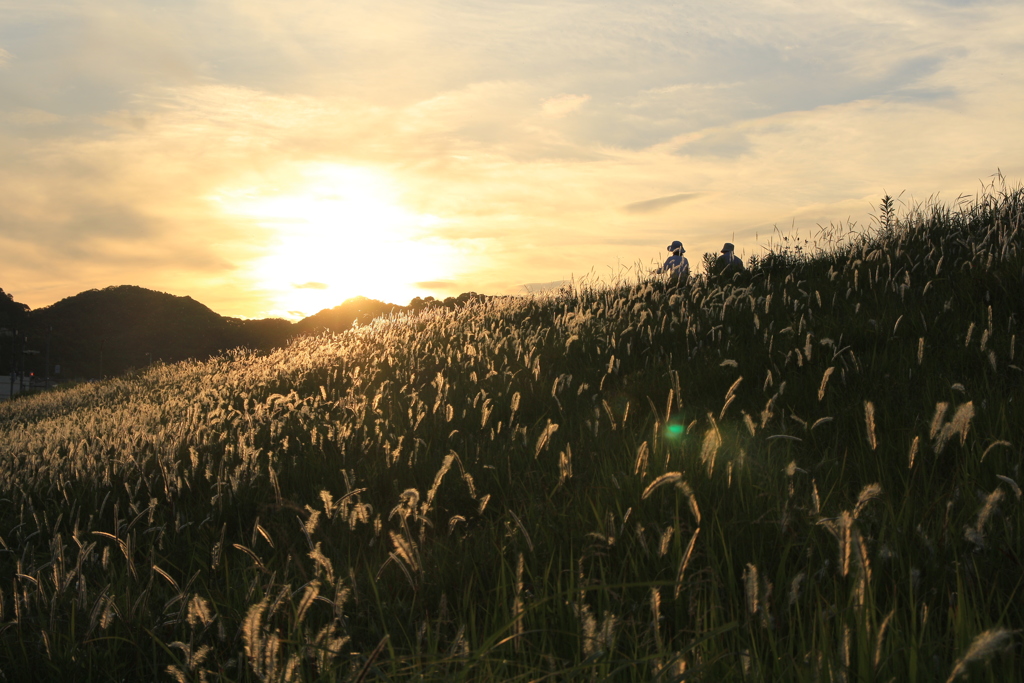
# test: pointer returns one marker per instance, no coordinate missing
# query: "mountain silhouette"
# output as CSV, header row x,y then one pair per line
x,y
110,331
357,309
12,313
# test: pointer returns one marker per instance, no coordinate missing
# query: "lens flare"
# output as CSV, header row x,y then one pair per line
x,y
675,431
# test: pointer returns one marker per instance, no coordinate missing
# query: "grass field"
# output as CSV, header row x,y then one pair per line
x,y
810,474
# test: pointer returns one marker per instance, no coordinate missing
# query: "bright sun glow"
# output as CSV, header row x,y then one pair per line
x,y
338,232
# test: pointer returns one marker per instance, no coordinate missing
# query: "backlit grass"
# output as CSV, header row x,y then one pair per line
x,y
810,474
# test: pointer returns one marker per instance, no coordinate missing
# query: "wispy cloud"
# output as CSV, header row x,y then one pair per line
x,y
438,285
727,144
30,117
563,105
312,285
652,205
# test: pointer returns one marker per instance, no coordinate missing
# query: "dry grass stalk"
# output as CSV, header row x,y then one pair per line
x,y
869,424
880,637
867,494
824,382
1011,483
565,464
691,500
730,396
656,616
995,444
794,587
983,646
685,562
544,437
667,478
959,424
751,588
641,461
517,604
709,449
666,538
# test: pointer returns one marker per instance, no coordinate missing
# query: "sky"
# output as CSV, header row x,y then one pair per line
x,y
276,157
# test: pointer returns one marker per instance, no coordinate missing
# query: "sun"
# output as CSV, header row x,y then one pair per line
x,y
334,232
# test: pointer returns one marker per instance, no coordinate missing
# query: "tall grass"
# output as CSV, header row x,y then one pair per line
x,y
810,474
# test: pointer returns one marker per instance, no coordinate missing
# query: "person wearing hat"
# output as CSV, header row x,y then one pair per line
x,y
676,265
728,264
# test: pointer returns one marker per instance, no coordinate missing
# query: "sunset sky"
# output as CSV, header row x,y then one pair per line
x,y
275,157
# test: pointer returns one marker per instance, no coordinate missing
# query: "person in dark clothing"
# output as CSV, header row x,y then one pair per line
x,y
728,264
676,265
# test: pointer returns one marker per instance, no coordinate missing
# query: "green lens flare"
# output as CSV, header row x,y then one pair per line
x,y
676,430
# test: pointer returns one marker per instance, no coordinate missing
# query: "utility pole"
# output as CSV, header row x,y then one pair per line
x,y
14,363
46,373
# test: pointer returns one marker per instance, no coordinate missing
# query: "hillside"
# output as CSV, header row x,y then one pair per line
x,y
811,473
107,332
11,312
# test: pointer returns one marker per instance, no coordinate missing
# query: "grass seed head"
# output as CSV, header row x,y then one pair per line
x,y
667,478
685,562
751,588
867,494
709,449
937,419
1011,483
869,424
666,538
983,646
824,382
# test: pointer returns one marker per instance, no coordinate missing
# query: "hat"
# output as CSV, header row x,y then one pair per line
x,y
728,247
676,245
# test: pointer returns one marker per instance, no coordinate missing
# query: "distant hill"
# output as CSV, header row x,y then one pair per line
x,y
11,312
104,332
362,310
108,331
342,317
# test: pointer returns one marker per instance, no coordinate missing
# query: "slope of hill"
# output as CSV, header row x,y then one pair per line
x,y
359,310
11,312
809,474
106,332
12,316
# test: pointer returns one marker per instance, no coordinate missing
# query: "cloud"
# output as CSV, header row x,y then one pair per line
x,y
312,285
26,116
437,285
5,57
563,105
726,144
659,203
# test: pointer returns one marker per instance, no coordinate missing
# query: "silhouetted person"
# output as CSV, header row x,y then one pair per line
x,y
676,265
728,264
